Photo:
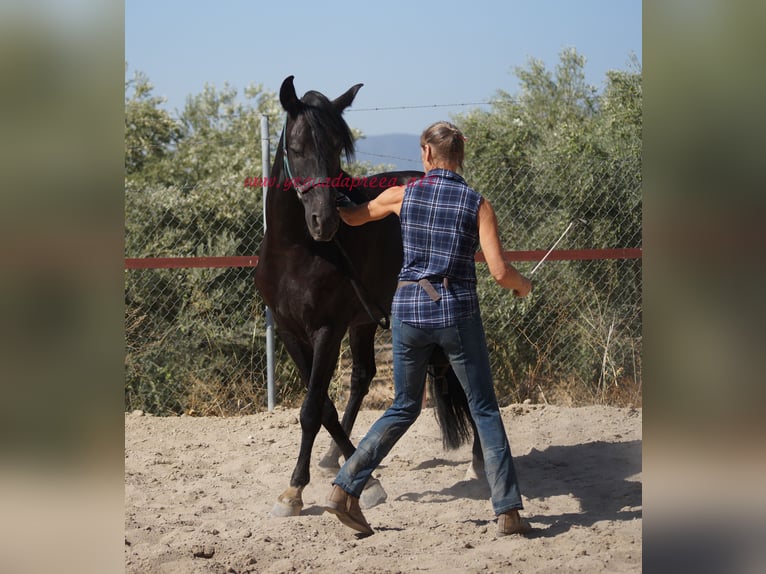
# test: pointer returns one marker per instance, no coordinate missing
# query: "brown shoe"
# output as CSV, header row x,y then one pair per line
x,y
346,508
511,523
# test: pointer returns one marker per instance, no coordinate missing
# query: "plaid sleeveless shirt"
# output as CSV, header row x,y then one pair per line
x,y
440,235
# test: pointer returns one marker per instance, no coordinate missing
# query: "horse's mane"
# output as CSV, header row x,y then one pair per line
x,y
325,119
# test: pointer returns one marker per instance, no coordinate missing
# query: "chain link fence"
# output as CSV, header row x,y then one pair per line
x,y
195,337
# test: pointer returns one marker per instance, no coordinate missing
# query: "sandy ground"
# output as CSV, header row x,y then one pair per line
x,y
199,491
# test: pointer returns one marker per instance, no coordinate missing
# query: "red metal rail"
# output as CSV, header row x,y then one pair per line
x,y
252,260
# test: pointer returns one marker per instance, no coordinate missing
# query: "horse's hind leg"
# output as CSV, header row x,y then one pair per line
x,y
362,343
453,411
476,468
336,430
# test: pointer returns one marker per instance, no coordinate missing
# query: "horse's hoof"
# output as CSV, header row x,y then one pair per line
x,y
329,465
281,510
289,503
373,494
474,472
329,461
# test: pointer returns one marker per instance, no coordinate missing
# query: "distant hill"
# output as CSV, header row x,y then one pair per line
x,y
400,150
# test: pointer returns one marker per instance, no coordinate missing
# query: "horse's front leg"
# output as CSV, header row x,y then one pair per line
x,y
290,502
325,356
362,343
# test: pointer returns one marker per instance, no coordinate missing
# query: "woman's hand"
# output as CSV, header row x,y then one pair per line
x,y
524,289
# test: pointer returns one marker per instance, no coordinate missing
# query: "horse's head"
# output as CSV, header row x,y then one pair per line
x,y
314,136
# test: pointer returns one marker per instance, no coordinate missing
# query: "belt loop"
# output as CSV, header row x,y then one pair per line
x,y
427,286
432,293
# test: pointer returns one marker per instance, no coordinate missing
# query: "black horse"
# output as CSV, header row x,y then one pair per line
x,y
322,278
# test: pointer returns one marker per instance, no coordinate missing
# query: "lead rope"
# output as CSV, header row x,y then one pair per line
x,y
385,322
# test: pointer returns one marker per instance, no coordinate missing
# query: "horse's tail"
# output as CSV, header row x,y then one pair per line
x,y
452,410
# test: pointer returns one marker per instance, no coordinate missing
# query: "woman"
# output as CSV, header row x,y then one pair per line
x,y
443,222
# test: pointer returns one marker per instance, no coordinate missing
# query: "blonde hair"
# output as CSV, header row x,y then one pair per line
x,y
446,141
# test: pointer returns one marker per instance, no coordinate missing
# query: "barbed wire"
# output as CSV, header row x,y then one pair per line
x,y
407,159
275,137
420,107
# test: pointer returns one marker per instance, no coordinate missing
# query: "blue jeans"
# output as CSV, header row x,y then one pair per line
x,y
466,348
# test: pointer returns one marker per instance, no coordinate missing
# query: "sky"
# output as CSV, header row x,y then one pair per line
x,y
425,55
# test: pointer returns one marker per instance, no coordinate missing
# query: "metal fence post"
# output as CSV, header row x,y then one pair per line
x,y
266,165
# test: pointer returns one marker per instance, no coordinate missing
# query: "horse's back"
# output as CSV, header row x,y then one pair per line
x,y
369,187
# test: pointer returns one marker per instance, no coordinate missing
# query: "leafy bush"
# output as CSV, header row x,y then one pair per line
x,y
556,153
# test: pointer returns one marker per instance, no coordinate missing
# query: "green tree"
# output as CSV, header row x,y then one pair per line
x,y
150,131
555,153
186,196
620,118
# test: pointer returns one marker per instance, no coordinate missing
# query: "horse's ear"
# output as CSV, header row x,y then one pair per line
x,y
288,98
343,101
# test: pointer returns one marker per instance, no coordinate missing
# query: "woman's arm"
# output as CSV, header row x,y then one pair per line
x,y
506,275
388,202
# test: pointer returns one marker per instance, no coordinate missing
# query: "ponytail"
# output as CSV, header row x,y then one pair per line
x,y
446,141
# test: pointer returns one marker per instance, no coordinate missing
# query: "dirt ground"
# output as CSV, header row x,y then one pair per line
x,y
199,493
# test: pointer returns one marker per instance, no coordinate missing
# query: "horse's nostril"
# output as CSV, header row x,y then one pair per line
x,y
321,227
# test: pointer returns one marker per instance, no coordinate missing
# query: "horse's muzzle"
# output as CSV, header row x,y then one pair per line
x,y
323,227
